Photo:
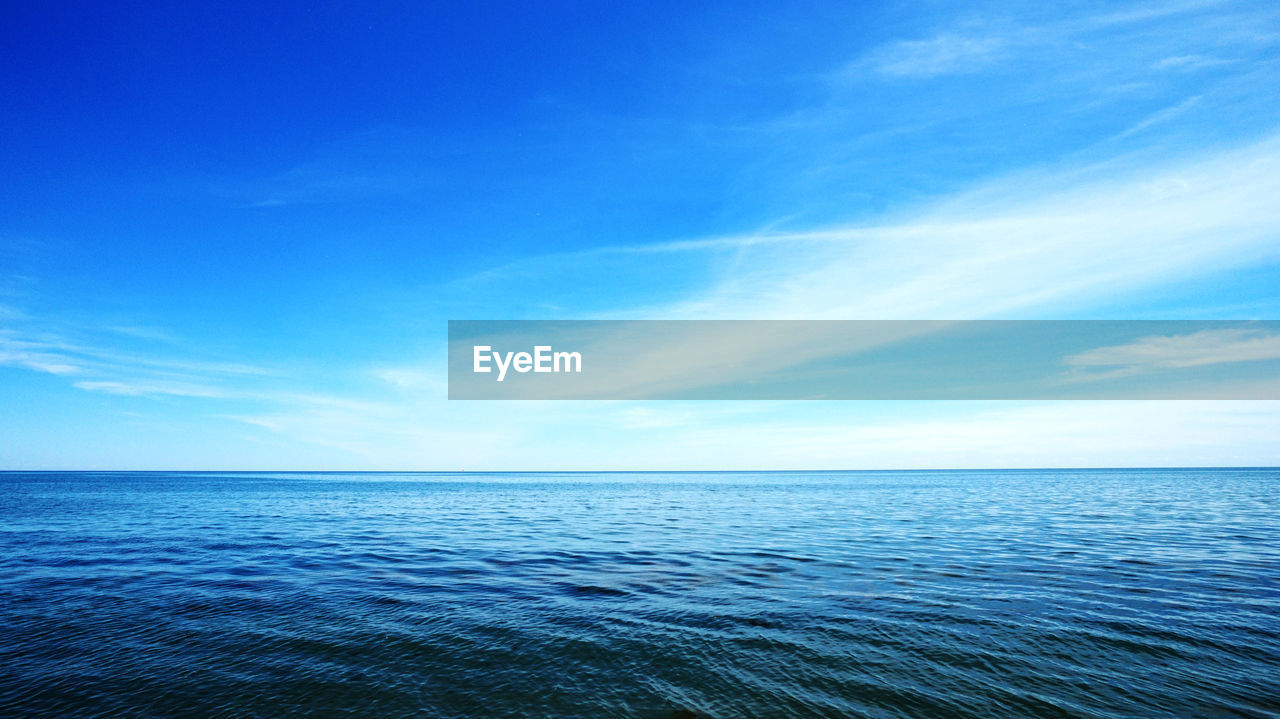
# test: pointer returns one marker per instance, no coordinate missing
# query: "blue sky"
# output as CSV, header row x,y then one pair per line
x,y
231,235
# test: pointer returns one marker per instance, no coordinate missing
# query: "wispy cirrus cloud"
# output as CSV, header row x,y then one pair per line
x,y
1188,63
381,163
944,54
1061,243
152,389
97,364
1162,115
1198,349
413,379
1076,53
34,356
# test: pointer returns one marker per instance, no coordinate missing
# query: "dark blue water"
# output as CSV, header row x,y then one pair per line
x,y
950,594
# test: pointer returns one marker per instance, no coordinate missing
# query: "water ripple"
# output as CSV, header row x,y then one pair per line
x,y
952,594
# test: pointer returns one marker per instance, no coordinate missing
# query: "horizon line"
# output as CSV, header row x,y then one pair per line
x,y
631,471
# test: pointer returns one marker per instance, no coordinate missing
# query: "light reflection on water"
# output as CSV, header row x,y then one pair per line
x,y
1045,593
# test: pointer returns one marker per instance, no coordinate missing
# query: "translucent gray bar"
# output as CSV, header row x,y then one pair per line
x,y
863,359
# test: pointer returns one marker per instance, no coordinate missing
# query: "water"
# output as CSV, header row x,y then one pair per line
x,y
933,594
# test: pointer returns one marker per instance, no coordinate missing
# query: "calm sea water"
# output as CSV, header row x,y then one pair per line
x,y
931,594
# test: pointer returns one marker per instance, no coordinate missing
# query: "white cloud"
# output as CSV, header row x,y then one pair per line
x,y
1207,347
414,379
39,362
1033,245
1160,116
38,356
1012,248
1188,62
151,389
945,54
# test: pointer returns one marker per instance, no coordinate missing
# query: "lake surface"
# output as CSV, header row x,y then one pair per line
x,y
1108,593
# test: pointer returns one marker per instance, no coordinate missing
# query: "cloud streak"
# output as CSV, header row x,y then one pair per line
x,y
940,55
99,367
971,259
1198,349
1029,246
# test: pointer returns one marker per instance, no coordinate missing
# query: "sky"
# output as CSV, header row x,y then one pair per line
x,y
232,234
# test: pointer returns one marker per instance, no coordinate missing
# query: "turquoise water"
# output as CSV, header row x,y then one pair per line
x,y
883,594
